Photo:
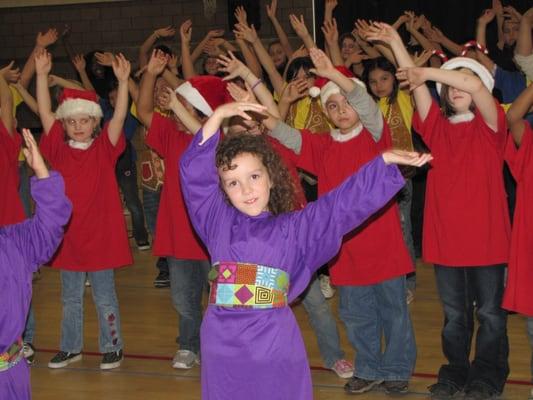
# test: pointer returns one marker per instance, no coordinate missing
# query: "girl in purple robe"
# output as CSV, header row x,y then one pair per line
x,y
24,247
239,199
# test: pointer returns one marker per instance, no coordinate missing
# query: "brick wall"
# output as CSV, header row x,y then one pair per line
x,y
119,26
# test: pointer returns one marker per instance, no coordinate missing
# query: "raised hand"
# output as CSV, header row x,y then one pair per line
x,y
33,156
158,62
79,62
295,90
323,65
10,74
487,16
46,39
43,62
497,7
239,94
105,59
299,52
403,157
362,28
215,33
298,24
240,15
121,68
331,5
411,77
355,58
186,32
241,109
379,31
52,80
167,31
421,59
232,66
271,9
169,98
331,33
511,13
245,32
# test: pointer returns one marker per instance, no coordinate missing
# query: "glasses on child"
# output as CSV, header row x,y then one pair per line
x,y
80,121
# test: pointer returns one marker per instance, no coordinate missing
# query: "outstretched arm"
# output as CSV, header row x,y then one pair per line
x,y
192,124
145,106
79,63
520,107
282,36
42,41
298,24
165,32
6,105
28,98
187,64
122,69
481,29
43,65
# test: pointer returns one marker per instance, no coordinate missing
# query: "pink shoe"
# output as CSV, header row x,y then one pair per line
x,y
343,368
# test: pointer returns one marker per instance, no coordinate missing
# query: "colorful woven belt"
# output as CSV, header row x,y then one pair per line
x,y
12,356
242,285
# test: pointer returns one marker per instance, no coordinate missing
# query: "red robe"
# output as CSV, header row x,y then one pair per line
x,y
466,218
96,237
175,236
517,296
11,210
375,251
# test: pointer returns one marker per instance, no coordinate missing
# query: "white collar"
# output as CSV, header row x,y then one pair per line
x,y
464,117
344,137
80,145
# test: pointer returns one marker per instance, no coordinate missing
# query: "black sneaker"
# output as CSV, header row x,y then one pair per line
x,y
62,359
443,391
162,280
478,391
29,353
358,385
142,246
396,387
111,360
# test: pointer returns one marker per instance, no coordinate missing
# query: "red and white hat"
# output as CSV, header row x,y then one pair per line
x,y
74,102
325,88
205,93
466,62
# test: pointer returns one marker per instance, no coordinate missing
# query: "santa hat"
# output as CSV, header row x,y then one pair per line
x,y
74,102
205,93
465,62
325,88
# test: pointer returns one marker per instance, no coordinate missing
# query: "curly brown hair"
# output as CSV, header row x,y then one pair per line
x,y
282,194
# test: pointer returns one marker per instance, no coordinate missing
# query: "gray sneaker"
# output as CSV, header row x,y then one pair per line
x,y
184,359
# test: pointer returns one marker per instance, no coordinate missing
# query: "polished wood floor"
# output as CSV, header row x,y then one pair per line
x,y
149,325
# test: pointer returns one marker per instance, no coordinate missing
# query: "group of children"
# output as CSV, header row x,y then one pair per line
x,y
234,150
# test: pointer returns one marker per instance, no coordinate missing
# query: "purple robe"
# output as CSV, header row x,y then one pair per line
x,y
259,354
24,247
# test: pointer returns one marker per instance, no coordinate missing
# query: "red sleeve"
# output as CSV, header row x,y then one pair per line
x,y
314,147
517,157
113,151
52,141
157,136
499,137
427,128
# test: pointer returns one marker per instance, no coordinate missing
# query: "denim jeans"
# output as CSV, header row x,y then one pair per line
x,y
151,206
323,323
105,299
405,198
126,173
188,279
29,329
372,311
459,288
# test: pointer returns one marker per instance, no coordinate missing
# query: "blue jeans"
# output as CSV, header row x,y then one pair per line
x,y
372,311
105,299
151,206
29,329
323,323
188,279
459,288
405,199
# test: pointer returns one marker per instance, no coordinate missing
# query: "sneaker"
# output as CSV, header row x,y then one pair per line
x,y
142,246
112,360
410,296
162,280
325,286
480,392
62,359
343,368
443,391
184,359
359,385
29,353
87,282
396,387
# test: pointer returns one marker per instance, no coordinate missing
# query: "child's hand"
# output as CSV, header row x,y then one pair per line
x,y
214,33
379,31
271,9
298,24
169,98
158,62
239,94
105,59
330,6
322,63
411,77
331,33
403,157
79,62
299,52
10,74
33,155
497,7
511,13
121,68
52,80
240,15
421,59
355,58
362,28
46,39
186,32
487,16
167,31
232,66
245,32
241,109
295,90
43,62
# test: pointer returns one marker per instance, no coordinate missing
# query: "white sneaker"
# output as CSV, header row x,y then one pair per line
x,y
184,359
325,286
343,368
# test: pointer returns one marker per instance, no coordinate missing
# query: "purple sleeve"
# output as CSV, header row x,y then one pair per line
x,y
38,237
321,225
205,201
